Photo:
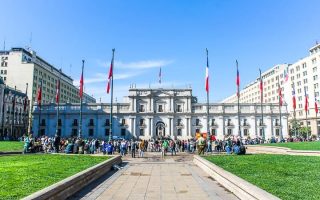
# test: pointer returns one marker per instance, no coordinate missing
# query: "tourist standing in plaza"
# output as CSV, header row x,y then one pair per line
x,y
201,144
133,148
56,143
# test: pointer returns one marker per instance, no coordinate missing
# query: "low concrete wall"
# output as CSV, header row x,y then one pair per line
x,y
73,184
241,188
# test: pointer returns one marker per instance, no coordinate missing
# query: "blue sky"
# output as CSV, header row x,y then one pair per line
x,y
171,34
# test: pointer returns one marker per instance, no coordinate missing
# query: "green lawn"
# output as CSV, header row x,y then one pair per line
x,y
288,177
22,175
312,146
6,146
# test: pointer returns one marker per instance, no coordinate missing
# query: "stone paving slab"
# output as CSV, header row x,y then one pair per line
x,y
172,178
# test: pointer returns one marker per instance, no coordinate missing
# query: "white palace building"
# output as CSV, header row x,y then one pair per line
x,y
151,113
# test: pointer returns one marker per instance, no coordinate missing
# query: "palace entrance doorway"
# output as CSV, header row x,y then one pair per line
x,y
160,129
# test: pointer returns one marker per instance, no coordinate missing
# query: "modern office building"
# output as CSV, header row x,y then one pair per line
x,y
19,67
302,75
14,112
151,113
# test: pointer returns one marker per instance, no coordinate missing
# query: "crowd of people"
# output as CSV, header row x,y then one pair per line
x,y
124,147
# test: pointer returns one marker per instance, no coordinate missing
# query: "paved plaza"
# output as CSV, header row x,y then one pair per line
x,y
174,177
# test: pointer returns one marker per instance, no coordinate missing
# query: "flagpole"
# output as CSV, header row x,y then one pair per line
x,y
208,129
261,101
316,110
111,104
81,95
58,102
39,105
25,106
238,94
280,104
306,111
13,108
3,107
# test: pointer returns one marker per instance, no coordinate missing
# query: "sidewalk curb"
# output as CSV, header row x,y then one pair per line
x,y
69,186
238,186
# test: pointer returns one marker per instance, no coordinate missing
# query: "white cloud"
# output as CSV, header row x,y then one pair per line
x,y
100,77
144,64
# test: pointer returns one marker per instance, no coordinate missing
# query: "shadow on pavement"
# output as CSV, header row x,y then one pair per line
x,y
96,184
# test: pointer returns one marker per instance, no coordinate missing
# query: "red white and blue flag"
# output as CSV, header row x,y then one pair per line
x,y
280,96
109,77
286,74
81,86
58,92
39,96
238,80
315,105
306,100
207,75
294,102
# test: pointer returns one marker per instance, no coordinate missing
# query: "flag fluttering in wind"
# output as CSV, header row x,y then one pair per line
x,y
315,105
294,102
286,74
58,92
81,85
110,76
160,76
207,74
39,97
280,96
306,100
238,80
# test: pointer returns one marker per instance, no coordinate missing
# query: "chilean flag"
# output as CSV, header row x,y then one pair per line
x,y
261,86
306,100
58,92
280,96
294,102
39,97
207,74
81,86
238,80
110,76
315,105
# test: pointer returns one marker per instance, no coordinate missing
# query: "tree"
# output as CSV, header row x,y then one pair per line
x,y
295,127
305,131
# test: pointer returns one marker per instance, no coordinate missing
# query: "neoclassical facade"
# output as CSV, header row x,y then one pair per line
x,y
13,112
151,113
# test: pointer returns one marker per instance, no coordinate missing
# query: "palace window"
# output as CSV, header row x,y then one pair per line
x,y
197,122
141,109
142,132
160,108
123,122
179,108
179,132
107,122
141,122
123,132
107,132
90,132
213,122
91,122
179,122
229,131
213,131
277,132
245,132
